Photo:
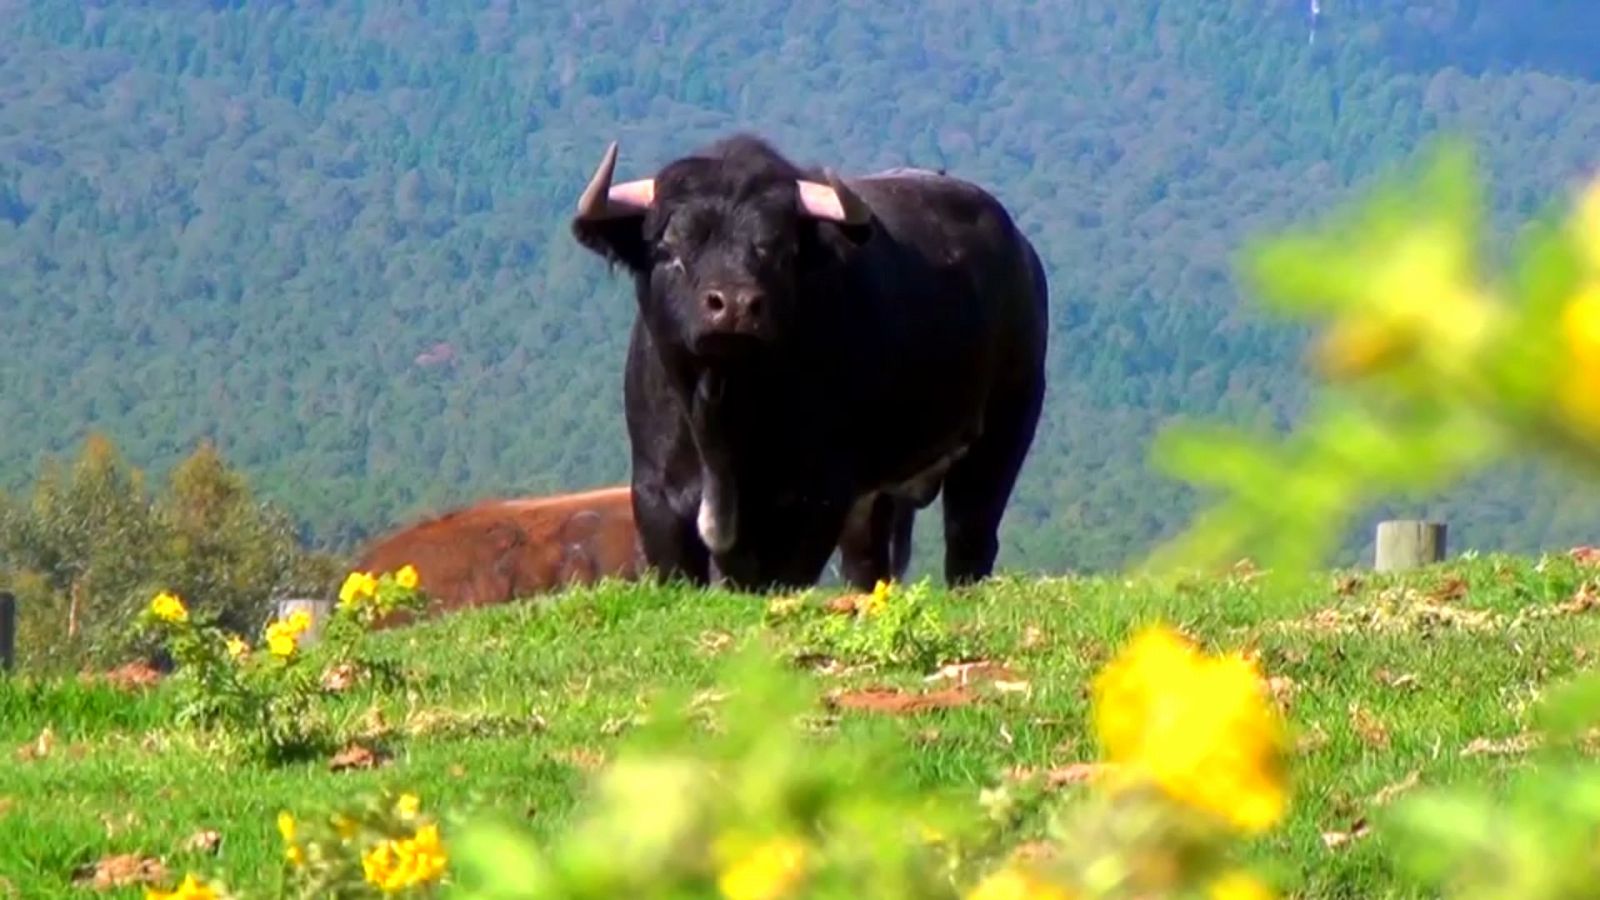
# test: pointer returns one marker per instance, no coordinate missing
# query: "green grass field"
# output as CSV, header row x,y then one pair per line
x,y
506,709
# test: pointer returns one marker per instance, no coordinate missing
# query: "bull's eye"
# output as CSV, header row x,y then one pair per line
x,y
668,260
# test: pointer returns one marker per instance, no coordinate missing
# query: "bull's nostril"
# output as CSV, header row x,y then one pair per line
x,y
752,307
715,302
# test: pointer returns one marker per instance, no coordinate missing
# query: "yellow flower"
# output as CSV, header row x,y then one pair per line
x,y
237,648
1201,728
406,577
407,806
190,889
356,586
770,870
1015,884
291,850
396,865
880,598
283,636
298,621
1238,885
168,608
1580,391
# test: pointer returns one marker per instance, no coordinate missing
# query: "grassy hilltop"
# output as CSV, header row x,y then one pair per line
x,y
1389,682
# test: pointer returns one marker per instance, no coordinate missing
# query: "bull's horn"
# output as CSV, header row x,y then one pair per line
x,y
833,201
603,200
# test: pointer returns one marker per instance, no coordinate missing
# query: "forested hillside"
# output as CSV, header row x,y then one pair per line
x,y
333,235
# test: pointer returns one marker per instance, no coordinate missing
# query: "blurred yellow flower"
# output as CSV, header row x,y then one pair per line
x,y
396,865
1238,885
1580,325
356,586
190,889
298,621
237,647
1015,884
406,577
1587,223
407,806
168,608
291,850
879,600
1419,300
770,870
1201,728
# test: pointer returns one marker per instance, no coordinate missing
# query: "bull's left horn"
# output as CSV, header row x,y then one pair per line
x,y
833,201
603,200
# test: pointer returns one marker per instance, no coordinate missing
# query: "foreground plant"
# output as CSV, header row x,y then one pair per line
x,y
385,845
893,625
1435,371
762,809
265,697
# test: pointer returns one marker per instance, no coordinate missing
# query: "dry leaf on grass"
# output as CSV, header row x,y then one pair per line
x,y
339,678
357,756
132,676
971,672
1312,740
1061,776
1032,637
1511,746
713,642
39,747
1367,725
1034,851
846,604
1390,679
584,758
1333,840
1282,689
1391,791
1453,589
1347,585
121,870
894,702
206,841
1585,556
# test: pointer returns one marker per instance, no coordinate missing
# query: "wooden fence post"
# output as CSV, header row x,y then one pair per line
x,y
319,610
1408,544
8,631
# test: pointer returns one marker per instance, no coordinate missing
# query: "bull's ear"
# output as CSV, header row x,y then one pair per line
x,y
619,240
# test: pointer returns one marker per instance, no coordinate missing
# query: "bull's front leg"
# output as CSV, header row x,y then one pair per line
x,y
668,533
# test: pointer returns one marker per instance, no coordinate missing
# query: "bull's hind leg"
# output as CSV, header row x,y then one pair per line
x,y
980,483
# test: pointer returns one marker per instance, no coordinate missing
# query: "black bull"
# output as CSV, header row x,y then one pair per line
x,y
815,359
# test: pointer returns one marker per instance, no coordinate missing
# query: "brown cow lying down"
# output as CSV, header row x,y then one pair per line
x,y
496,551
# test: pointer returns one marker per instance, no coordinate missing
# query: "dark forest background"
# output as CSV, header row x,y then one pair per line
x,y
332,236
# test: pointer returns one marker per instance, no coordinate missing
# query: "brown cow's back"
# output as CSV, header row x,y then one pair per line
x,y
496,551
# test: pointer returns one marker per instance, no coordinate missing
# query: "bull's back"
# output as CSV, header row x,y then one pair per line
x,y
958,301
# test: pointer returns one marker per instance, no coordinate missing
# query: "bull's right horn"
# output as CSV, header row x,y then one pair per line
x,y
603,200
